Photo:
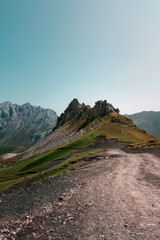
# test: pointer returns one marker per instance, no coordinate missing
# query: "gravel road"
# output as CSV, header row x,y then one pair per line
x,y
114,197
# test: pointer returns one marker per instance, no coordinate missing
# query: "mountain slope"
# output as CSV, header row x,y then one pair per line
x,y
24,125
110,195
87,131
77,120
148,121
80,119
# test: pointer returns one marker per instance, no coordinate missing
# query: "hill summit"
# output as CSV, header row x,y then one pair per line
x,y
75,111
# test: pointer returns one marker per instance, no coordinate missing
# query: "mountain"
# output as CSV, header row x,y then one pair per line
x,y
80,120
148,121
24,125
81,133
77,120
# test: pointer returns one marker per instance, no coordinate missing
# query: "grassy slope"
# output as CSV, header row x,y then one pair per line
x,y
32,171
152,144
35,169
149,121
120,128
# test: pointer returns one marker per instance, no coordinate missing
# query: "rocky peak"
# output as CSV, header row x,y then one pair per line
x,y
6,103
75,110
17,121
28,105
74,102
73,105
101,108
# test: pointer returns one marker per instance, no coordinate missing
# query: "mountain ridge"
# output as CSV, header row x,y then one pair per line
x,y
78,120
73,123
147,120
24,125
75,111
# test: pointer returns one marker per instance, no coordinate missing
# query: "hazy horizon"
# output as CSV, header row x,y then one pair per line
x,y
54,51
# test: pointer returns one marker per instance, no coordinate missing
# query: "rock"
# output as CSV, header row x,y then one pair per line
x,y
76,111
23,125
7,156
102,108
126,225
61,198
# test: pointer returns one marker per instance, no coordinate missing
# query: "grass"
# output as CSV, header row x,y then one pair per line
x,y
120,128
145,146
61,159
34,170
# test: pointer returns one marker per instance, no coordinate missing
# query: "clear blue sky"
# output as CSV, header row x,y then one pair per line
x,y
52,51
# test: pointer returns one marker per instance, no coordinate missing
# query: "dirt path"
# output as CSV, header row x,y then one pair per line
x,y
114,198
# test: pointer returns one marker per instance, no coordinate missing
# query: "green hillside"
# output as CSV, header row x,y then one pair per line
x,y
68,156
148,121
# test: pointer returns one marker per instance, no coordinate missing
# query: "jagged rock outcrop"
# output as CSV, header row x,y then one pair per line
x,y
100,109
75,111
22,125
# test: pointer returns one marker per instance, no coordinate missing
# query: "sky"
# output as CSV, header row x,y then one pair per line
x,y
52,51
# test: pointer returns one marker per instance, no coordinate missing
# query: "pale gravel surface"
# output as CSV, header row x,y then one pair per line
x,y
61,135
115,197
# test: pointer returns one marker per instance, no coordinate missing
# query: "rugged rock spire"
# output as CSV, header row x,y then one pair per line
x,y
75,111
101,108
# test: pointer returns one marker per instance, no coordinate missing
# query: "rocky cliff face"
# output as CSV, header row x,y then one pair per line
x,y
75,111
22,125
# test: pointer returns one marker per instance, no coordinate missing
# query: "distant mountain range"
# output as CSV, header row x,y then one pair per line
x,y
24,125
148,121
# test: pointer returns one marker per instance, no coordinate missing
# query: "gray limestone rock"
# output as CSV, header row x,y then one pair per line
x,y
24,125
